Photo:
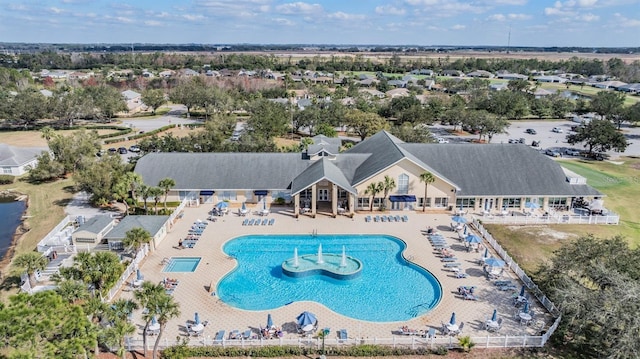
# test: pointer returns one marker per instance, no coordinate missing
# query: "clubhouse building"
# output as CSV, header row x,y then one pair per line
x,y
321,179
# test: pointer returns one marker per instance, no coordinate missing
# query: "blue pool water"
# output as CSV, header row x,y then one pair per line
x,y
388,289
182,264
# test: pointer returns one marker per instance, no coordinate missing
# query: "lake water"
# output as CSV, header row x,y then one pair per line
x,y
10,218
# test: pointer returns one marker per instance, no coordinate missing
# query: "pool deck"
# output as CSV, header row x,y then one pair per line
x,y
193,291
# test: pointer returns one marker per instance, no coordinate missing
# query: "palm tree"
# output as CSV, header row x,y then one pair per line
x,y
116,334
146,296
134,181
388,185
372,189
145,194
165,309
135,238
47,133
73,291
156,193
31,262
166,184
428,178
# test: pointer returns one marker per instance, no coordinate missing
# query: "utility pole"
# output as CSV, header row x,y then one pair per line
x,y
509,40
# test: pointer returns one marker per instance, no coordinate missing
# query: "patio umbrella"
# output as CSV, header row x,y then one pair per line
x,y
452,321
465,229
306,318
269,321
222,205
522,291
486,253
154,320
244,207
494,262
526,308
264,204
494,316
139,275
472,238
458,219
196,318
531,205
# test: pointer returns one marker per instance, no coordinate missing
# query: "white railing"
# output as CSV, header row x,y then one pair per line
x,y
409,342
611,218
131,268
54,236
178,209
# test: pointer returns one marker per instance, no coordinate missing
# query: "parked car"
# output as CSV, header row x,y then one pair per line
x,y
552,153
513,140
112,151
535,143
531,131
557,130
572,152
442,140
134,148
122,150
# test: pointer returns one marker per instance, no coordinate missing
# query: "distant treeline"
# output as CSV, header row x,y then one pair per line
x,y
155,61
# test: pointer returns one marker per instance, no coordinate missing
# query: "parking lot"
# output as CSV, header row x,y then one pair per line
x,y
545,135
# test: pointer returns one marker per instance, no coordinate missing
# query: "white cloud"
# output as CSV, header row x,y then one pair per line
x,y
339,15
389,10
589,17
153,23
519,16
506,2
626,22
299,8
285,22
497,17
191,17
55,10
458,27
587,3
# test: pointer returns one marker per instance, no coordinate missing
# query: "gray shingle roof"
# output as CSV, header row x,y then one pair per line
x,y
222,171
151,224
499,170
320,170
95,224
16,156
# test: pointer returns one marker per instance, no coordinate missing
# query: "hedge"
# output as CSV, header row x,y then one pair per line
x,y
151,133
7,179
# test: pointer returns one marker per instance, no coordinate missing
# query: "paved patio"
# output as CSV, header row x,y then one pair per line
x,y
193,290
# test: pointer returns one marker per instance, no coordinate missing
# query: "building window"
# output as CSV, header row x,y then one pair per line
x,y
6,170
228,196
466,202
421,202
557,202
248,196
403,184
441,201
511,202
363,202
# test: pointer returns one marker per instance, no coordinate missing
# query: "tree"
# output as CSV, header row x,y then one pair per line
x,y
30,263
166,184
28,105
153,99
135,238
164,308
388,185
75,150
607,104
108,100
599,135
428,178
189,93
144,192
407,132
73,291
594,282
372,189
156,193
364,123
116,333
99,270
268,119
148,296
101,178
46,169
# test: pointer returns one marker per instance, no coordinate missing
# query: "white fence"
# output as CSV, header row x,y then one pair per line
x,y
131,268
59,235
409,342
610,218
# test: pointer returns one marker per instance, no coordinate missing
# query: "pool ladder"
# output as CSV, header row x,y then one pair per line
x,y
314,233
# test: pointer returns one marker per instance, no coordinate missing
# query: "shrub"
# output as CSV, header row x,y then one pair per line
x,y
279,201
7,179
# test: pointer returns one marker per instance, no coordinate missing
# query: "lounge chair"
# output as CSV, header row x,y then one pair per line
x,y
396,218
265,221
376,219
461,275
383,218
452,265
342,334
367,219
469,296
234,335
405,218
272,221
389,218
220,336
448,259
250,222
431,333
257,222
246,220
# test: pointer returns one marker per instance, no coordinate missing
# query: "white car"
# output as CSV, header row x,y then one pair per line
x,y
557,130
442,140
571,152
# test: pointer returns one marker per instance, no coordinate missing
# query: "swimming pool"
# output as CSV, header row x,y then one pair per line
x,y
388,289
182,264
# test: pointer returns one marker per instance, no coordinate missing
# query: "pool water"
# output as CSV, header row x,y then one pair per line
x,y
388,289
182,264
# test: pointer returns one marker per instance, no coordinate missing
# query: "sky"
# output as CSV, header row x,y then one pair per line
x,y
582,23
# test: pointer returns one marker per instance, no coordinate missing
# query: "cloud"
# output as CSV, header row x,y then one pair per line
x,y
507,2
339,15
626,22
589,17
389,10
299,8
502,17
153,23
458,27
191,17
284,22
497,17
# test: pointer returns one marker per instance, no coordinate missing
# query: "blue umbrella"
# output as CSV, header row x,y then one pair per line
x,y
269,321
526,308
154,320
494,262
458,219
452,321
472,238
494,317
522,291
306,318
486,253
222,204
264,204
531,205
196,318
465,229
244,206
139,275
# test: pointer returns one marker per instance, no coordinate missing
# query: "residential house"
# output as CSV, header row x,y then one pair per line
x,y
478,177
397,92
372,92
17,161
481,74
166,73
609,84
188,73
632,88
147,74
368,82
397,83
540,93
133,100
79,75
157,226
452,73
422,72
498,86
510,76
93,230
46,93
550,78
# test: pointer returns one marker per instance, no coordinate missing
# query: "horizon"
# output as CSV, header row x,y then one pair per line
x,y
466,23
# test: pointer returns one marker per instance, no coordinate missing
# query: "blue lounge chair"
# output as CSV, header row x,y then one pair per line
x,y
452,265
257,222
396,218
376,219
431,333
220,336
383,218
246,220
405,218
246,334
342,334
272,221
448,260
367,219
265,221
250,222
